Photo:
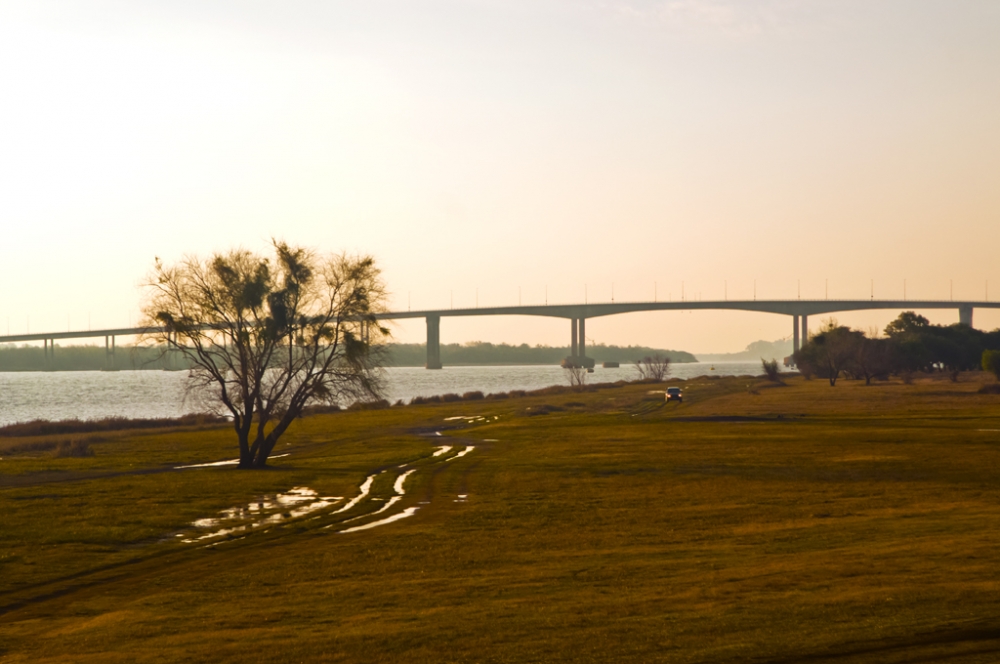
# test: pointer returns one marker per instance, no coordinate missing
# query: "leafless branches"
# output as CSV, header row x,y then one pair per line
x,y
577,375
269,335
653,367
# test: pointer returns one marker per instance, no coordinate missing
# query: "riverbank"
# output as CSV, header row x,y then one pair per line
x,y
99,395
750,522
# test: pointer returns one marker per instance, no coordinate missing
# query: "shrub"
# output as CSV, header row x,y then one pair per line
x,y
993,388
991,362
369,405
451,396
416,401
473,396
771,371
654,368
498,395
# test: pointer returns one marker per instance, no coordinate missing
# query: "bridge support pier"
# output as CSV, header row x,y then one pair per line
x,y
965,315
578,345
109,354
805,329
795,333
433,342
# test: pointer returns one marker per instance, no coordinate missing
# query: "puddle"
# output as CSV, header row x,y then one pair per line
x,y
392,501
311,507
229,462
398,486
267,511
298,501
463,417
490,440
217,533
206,523
365,488
409,511
462,453
296,496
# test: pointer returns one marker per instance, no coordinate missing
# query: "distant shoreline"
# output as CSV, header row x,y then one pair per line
x,y
96,358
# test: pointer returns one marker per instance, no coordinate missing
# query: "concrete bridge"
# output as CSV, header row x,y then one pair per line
x,y
799,310
577,314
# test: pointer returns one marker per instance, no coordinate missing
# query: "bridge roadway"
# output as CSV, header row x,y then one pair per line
x,y
799,310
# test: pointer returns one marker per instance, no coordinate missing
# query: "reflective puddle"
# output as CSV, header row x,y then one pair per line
x,y
379,494
228,462
462,453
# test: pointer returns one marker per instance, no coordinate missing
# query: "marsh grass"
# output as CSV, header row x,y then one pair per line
x,y
808,523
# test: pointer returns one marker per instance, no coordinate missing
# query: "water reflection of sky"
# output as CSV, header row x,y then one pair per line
x,y
98,394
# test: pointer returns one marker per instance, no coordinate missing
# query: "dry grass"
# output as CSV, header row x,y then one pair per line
x,y
808,523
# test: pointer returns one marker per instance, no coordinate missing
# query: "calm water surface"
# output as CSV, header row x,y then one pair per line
x,y
98,394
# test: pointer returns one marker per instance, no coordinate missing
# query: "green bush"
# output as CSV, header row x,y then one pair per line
x,y
991,362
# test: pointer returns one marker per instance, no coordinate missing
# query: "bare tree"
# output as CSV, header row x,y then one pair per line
x,y
268,336
873,357
653,367
577,376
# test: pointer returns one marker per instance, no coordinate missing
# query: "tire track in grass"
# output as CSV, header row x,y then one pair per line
x,y
171,554
366,499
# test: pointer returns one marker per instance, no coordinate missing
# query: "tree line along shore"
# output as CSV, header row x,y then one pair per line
x,y
95,358
910,345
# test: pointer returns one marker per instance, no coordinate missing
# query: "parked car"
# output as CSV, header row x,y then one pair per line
x,y
675,394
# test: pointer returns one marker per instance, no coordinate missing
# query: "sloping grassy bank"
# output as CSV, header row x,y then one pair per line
x,y
800,523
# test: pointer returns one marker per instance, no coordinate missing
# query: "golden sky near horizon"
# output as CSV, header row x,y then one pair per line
x,y
497,150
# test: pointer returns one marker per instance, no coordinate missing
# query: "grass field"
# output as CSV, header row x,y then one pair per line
x,y
750,523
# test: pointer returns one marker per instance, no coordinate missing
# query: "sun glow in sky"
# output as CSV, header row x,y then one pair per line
x,y
486,151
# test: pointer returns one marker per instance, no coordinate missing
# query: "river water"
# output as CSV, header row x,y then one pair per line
x,y
98,394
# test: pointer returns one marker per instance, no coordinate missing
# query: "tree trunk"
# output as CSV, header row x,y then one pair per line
x,y
268,443
243,435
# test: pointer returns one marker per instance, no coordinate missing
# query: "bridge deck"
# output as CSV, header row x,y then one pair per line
x,y
587,310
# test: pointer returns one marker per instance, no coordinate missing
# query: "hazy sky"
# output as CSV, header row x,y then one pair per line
x,y
498,145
